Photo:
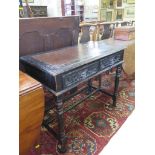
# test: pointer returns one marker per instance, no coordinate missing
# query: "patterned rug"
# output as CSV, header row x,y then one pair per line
x,y
91,125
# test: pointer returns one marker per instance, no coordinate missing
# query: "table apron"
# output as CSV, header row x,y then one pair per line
x,y
81,74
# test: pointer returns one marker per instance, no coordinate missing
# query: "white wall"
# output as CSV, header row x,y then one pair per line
x,y
91,10
54,8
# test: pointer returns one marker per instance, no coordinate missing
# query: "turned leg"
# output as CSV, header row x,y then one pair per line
x,y
118,74
100,81
61,132
89,86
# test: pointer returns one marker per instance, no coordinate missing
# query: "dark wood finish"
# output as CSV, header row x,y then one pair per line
x,y
129,55
133,22
118,74
89,86
64,69
106,31
124,23
43,34
61,133
85,34
31,111
116,24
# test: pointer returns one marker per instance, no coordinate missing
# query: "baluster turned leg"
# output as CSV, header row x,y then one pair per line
x,y
100,81
118,74
61,135
89,86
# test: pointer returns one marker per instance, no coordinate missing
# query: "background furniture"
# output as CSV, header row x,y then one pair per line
x,y
43,34
100,30
96,31
62,70
31,111
73,7
124,33
39,11
88,32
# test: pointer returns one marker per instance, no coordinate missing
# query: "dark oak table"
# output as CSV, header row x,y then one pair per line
x,y
64,69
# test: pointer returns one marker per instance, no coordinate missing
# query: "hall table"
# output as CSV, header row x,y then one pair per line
x,y
64,69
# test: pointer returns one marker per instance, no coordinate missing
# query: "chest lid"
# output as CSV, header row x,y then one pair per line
x,y
125,29
27,83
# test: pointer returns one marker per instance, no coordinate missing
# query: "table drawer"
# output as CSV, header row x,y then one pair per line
x,y
80,74
111,60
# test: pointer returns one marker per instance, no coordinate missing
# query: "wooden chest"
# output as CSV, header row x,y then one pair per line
x,y
31,111
124,33
39,11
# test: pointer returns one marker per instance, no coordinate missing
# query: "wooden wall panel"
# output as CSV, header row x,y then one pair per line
x,y
43,34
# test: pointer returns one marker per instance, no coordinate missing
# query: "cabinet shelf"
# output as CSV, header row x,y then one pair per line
x,y
73,7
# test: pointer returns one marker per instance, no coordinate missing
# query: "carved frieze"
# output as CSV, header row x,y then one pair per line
x,y
75,76
78,75
109,61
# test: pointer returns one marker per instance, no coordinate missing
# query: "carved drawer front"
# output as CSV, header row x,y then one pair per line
x,y
80,74
111,60
39,11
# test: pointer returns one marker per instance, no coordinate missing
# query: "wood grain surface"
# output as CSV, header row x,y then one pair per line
x,y
31,111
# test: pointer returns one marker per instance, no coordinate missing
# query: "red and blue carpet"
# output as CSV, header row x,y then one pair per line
x,y
91,125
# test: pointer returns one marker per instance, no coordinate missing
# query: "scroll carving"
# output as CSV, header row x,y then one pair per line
x,y
76,76
111,60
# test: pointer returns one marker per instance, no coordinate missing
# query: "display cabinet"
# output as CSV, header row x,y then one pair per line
x,y
73,7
